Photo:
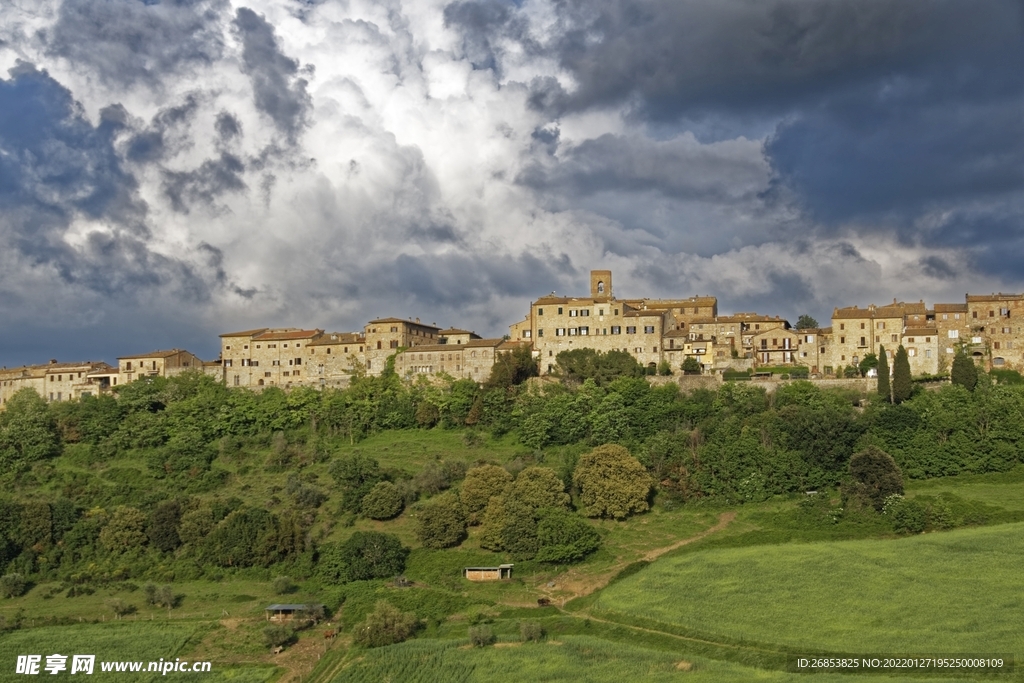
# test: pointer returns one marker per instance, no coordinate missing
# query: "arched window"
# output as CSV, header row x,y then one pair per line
x,y
997,361
600,287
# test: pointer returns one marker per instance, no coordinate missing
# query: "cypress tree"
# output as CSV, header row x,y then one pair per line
x,y
884,390
901,385
964,372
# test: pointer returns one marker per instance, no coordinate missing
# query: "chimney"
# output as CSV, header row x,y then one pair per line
x,y
417,320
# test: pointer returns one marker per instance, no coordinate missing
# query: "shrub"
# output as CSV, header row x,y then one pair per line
x,y
13,585
276,635
531,631
120,608
540,487
365,555
481,636
874,476
564,537
384,501
284,585
386,625
906,516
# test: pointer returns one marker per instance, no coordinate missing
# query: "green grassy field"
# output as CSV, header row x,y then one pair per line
x,y
569,658
1002,489
125,641
959,591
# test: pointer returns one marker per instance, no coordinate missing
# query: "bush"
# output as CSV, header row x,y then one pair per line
x,y
386,625
365,555
13,585
481,636
120,608
384,501
276,635
284,585
906,516
531,631
874,476
564,537
481,484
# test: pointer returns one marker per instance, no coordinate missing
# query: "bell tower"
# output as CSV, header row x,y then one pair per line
x,y
601,284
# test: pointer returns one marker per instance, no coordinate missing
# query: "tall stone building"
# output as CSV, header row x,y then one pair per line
x,y
155,364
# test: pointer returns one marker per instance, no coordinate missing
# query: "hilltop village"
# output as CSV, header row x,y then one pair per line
x,y
654,331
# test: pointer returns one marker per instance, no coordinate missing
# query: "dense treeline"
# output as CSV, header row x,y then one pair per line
x,y
735,444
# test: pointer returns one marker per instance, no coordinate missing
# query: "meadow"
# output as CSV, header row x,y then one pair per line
x,y
125,641
957,591
572,657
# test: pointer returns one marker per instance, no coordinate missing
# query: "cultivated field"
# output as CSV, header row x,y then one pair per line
x,y
959,591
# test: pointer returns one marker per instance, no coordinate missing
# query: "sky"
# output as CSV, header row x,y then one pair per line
x,y
174,169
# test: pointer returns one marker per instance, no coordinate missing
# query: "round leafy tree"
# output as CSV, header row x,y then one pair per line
x,y
365,555
480,485
540,487
384,501
874,476
612,482
441,523
385,625
565,537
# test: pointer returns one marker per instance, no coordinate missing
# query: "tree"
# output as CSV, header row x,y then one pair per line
x,y
508,525
691,366
365,555
385,625
564,537
579,365
664,368
163,526
874,476
964,372
884,388
355,475
612,483
806,322
540,487
480,485
868,362
28,431
442,522
384,501
13,585
125,531
901,382
512,368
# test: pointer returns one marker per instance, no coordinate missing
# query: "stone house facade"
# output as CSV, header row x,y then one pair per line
x,y
155,364
56,381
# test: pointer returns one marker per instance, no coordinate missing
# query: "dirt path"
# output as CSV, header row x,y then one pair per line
x,y
578,586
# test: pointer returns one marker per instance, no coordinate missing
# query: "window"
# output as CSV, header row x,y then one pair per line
x,y
257,346
954,334
527,334
945,316
585,312
927,353
266,374
863,342
842,326
559,331
616,329
573,331
894,338
974,314
378,344
956,316
285,373
911,352
630,329
246,346
573,313
997,345
616,311
540,311
540,332
881,326
227,363
927,340
298,361
862,326
910,340
775,342
654,350
584,331
842,340
764,343
238,380
600,287
275,362
821,350
227,348
559,310
394,343
648,329
367,364
600,311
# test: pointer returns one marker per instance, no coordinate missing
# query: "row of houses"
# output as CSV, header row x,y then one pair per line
x,y
989,327
651,330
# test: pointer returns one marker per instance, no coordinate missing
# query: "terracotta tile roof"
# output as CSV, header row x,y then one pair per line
x,y
749,318
920,331
333,338
676,333
477,343
950,308
455,330
379,321
286,335
155,354
994,297
551,299
245,333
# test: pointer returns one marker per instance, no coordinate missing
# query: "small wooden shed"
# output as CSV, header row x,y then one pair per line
x,y
287,612
499,573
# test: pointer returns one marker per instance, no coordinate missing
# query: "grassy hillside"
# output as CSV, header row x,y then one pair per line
x,y
946,592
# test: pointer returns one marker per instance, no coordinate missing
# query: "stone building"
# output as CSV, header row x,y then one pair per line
x,y
470,360
604,323
156,364
334,357
997,336
57,381
384,336
776,346
265,357
456,336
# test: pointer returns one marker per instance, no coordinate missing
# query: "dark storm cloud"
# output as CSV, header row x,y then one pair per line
x,y
128,42
228,126
152,144
703,55
279,92
56,167
481,23
212,179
